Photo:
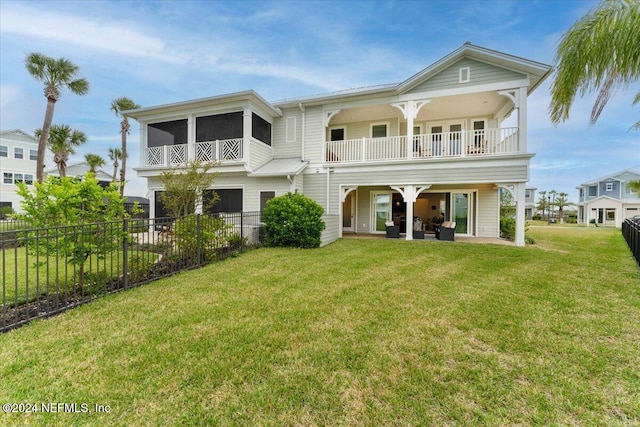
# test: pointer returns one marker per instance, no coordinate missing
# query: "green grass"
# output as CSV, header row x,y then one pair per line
x,y
26,275
361,332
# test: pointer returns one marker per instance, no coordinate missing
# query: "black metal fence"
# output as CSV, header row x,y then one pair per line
x,y
49,270
631,233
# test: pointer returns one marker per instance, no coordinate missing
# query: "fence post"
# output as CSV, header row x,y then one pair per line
x,y
199,238
241,232
125,252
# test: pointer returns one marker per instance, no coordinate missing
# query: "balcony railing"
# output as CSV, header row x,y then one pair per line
x,y
475,143
226,150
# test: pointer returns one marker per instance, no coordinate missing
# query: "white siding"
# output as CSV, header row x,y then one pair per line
x,y
480,72
281,147
488,213
260,153
314,135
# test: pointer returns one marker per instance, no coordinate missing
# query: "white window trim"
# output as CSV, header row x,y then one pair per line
x,y
464,75
6,150
387,124
15,150
608,186
36,154
291,136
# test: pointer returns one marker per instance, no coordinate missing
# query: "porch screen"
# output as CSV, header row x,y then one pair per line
x,y
219,126
261,129
167,133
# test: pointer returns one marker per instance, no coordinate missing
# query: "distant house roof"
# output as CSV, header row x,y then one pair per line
x,y
140,200
624,175
19,135
81,169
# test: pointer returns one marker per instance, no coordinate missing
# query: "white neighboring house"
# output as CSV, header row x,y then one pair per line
x,y
80,170
432,146
18,158
530,202
609,200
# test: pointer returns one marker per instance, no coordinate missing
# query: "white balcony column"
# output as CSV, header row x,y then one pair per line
x,y
247,131
144,144
191,138
408,193
522,120
520,191
410,109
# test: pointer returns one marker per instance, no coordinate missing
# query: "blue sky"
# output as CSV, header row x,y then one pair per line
x,y
162,52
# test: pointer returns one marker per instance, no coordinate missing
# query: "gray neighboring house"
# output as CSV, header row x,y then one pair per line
x,y
608,200
432,146
530,202
80,170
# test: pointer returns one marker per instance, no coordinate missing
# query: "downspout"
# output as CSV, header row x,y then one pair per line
x,y
303,120
291,187
329,170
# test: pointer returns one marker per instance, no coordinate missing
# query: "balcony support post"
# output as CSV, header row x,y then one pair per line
x,y
247,131
410,109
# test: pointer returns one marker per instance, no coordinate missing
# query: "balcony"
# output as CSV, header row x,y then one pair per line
x,y
227,150
474,143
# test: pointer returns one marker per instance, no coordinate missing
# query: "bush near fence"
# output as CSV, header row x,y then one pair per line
x,y
39,282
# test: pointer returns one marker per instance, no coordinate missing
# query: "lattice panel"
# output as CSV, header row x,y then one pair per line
x,y
178,154
205,152
154,156
231,149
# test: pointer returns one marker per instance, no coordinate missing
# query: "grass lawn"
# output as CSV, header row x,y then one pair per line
x,y
21,274
361,332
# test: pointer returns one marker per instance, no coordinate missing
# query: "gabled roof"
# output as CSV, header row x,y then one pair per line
x,y
17,133
280,167
618,176
77,169
536,71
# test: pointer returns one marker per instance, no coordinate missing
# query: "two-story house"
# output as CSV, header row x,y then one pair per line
x,y
430,147
608,200
530,202
18,158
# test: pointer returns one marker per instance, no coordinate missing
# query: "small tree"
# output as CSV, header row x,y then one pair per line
x,y
94,161
119,105
81,209
293,220
61,142
542,203
183,190
115,154
562,202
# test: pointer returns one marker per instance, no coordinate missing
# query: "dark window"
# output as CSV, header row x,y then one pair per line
x,y
4,151
33,154
261,129
593,191
18,153
265,196
220,126
160,211
230,200
378,131
337,134
167,133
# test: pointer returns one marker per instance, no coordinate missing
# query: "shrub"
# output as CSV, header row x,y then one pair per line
x,y
212,236
293,220
507,227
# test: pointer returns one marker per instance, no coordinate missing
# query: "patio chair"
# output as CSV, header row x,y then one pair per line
x,y
446,231
393,231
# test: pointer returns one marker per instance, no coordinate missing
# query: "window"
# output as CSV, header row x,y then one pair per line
x,y
219,126
265,196
4,151
609,186
167,133
337,134
33,154
260,129
7,178
611,215
379,131
28,179
18,177
527,194
291,129
230,200
464,75
18,153
593,191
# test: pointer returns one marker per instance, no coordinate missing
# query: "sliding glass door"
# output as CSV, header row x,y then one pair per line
x,y
381,211
460,203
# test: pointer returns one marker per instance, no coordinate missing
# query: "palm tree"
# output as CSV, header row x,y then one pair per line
x,y
56,74
118,106
115,154
553,194
542,202
62,139
94,161
600,52
562,201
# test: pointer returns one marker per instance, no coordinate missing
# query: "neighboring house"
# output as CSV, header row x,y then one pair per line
x,y
18,158
80,170
530,202
608,200
431,146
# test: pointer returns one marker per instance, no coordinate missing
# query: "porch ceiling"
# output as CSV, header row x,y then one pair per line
x,y
444,108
